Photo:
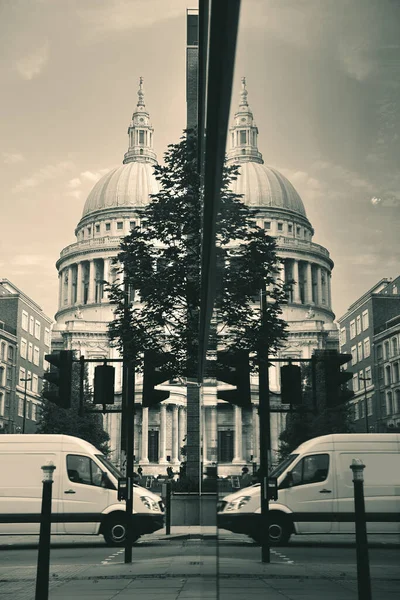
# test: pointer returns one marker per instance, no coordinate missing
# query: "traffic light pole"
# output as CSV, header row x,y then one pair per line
x,y
265,438
129,393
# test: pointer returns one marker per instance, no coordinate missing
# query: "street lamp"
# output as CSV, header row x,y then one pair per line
x,y
365,379
26,379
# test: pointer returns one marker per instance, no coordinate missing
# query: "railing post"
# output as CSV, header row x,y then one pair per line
x,y
43,564
363,574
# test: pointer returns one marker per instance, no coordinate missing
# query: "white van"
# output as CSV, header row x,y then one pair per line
x,y
317,477
84,482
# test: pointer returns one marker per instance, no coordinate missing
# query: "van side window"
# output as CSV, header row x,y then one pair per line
x,y
82,469
311,469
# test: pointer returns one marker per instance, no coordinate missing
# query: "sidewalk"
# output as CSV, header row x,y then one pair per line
x,y
198,577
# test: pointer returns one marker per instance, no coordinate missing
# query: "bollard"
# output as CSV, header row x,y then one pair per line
x,y
43,564
363,575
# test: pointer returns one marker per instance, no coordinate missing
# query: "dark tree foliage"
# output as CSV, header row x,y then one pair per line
x,y
304,424
88,426
161,260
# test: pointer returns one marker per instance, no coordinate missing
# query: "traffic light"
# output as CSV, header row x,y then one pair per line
x,y
156,370
233,367
291,392
104,378
335,379
59,376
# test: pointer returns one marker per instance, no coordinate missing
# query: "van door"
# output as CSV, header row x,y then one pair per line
x,y
83,492
312,490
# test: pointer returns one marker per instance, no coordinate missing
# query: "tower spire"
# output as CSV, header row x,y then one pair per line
x,y
243,133
140,133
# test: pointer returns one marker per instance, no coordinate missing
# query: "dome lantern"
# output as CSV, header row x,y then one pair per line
x,y
243,134
140,132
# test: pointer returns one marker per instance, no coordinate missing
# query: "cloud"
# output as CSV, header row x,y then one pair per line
x,y
75,194
74,183
32,64
114,16
44,174
12,158
29,260
94,175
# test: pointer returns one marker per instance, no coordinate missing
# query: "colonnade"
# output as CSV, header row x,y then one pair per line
x,y
82,282
311,281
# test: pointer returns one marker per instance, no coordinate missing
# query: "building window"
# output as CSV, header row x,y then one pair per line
x,y
153,445
23,348
298,231
358,325
360,351
388,379
352,329
2,383
3,351
89,231
108,226
47,336
397,401
362,410
97,228
367,348
380,373
394,346
379,352
386,350
8,376
25,320
280,226
365,320
1,404
141,137
10,354
37,330
267,224
369,406
242,137
22,373
35,383
354,355
290,228
20,407
396,372
31,324
132,224
356,411
368,375
29,381
36,356
120,225
395,289
389,403
342,338
355,383
30,351
33,415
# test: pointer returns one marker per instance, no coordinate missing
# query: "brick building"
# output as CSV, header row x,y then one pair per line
x,y
369,331
22,356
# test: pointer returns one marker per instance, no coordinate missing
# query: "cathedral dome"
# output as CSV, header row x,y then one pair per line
x,y
266,187
129,185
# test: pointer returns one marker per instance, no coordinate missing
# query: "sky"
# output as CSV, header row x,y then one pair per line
x,y
323,78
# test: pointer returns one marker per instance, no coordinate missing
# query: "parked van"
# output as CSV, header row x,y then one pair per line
x,y
84,482
317,477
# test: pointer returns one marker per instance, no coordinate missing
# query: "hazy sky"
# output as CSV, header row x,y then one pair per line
x,y
324,84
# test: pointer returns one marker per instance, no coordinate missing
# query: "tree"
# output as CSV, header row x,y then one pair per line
x,y
161,261
306,423
87,426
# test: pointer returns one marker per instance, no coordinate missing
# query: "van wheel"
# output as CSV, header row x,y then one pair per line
x,y
114,532
279,532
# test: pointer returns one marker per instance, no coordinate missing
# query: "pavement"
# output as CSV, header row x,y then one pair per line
x,y
197,577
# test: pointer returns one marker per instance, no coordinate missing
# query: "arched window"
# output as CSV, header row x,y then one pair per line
x,y
397,401
394,346
389,403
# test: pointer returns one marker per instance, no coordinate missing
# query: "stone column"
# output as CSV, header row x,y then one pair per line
x,y
60,289
213,434
163,433
91,282
79,283
282,271
328,287
144,451
175,435
308,287
256,434
296,285
182,426
319,285
238,453
69,289
106,275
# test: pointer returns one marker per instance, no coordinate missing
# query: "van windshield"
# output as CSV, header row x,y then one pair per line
x,y
283,465
108,464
